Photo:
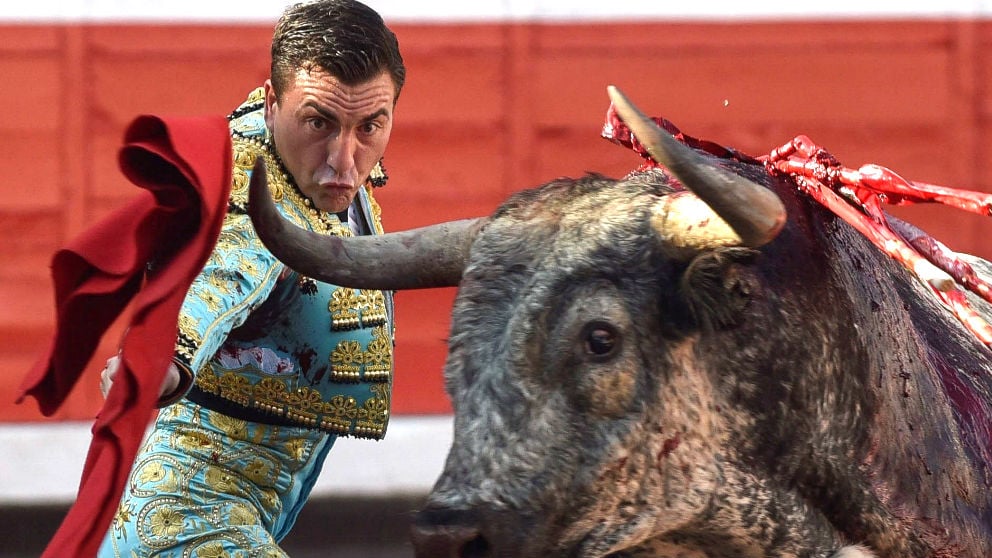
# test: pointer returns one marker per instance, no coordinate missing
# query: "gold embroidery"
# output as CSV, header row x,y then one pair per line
x,y
221,480
247,265
155,475
259,472
345,304
270,389
374,414
233,237
164,492
160,521
233,427
193,440
346,362
188,339
166,522
305,406
212,550
236,387
123,516
297,449
212,300
374,312
343,411
352,309
379,358
243,515
376,211
152,472
239,177
245,151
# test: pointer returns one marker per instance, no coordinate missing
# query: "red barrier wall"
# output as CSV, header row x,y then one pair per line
x,y
488,109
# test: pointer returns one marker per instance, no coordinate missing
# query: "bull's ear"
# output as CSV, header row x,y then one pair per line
x,y
717,287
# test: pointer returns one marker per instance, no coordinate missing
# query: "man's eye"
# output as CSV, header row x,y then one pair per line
x,y
370,127
317,123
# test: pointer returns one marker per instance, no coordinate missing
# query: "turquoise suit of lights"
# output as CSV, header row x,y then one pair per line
x,y
282,365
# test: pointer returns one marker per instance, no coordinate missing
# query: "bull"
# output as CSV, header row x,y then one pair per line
x,y
637,369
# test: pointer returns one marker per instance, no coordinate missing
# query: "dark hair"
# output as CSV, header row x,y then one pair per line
x,y
345,38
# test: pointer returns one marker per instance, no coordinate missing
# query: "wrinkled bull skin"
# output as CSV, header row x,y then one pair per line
x,y
793,400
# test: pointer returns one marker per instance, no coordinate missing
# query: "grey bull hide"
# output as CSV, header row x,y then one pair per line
x,y
633,375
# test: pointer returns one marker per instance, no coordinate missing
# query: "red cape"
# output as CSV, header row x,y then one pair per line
x,y
146,254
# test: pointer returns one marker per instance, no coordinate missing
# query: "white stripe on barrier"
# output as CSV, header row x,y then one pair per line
x,y
453,11
41,462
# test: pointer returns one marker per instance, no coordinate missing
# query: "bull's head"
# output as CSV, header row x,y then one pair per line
x,y
592,415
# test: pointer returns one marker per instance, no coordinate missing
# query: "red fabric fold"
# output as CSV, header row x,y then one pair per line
x,y
145,255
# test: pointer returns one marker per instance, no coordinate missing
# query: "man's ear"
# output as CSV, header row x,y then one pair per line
x,y
270,101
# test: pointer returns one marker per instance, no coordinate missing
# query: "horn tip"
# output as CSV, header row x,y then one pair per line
x,y
615,94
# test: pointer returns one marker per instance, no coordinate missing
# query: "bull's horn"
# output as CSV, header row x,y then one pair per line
x,y
433,256
686,226
754,212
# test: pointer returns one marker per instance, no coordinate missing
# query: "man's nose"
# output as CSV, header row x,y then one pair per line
x,y
341,153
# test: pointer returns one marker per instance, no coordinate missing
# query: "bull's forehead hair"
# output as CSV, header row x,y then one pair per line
x,y
567,195
592,226
576,225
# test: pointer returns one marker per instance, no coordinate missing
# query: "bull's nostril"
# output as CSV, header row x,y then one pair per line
x,y
478,547
448,541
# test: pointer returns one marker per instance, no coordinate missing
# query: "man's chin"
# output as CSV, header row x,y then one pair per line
x,y
335,204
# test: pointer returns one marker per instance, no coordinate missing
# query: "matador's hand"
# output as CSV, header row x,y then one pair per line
x,y
169,384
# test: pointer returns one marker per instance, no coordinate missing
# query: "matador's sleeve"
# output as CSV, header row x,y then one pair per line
x,y
238,277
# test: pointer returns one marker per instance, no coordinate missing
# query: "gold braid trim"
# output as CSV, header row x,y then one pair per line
x,y
305,406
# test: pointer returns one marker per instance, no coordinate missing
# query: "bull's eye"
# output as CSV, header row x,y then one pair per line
x,y
600,339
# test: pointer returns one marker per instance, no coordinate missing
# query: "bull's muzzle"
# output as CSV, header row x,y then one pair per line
x,y
442,534
439,532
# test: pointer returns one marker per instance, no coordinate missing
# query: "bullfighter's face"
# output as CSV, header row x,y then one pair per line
x,y
330,135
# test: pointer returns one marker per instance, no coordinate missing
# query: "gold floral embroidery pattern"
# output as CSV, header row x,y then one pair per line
x,y
346,362
221,480
245,152
160,522
152,472
154,475
241,514
212,550
122,517
374,311
352,309
374,414
306,406
166,522
379,357
344,308
257,469
233,427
